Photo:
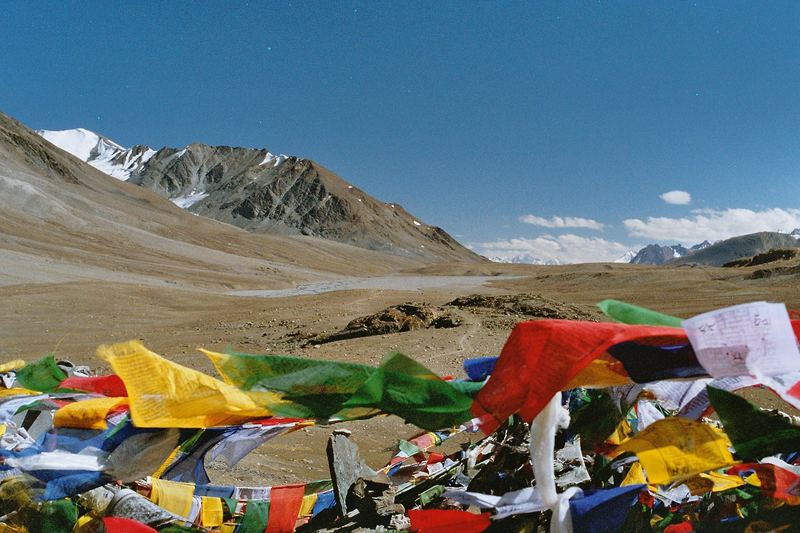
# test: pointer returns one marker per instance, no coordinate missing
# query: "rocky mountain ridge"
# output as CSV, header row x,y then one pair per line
x,y
259,191
655,254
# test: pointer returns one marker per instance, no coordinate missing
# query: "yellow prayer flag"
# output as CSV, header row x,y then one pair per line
x,y
307,507
7,528
675,448
753,479
713,482
87,414
17,391
635,476
87,524
622,432
605,371
163,394
12,365
173,496
210,511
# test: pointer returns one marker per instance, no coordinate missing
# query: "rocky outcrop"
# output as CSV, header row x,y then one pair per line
x,y
394,319
527,306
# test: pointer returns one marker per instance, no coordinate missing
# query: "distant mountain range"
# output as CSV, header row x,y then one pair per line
x,y
739,247
703,253
655,254
263,192
720,252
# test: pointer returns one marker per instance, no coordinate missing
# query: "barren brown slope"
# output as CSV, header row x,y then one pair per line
x,y
62,220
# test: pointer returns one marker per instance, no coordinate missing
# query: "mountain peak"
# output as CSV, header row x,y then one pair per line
x,y
260,191
99,151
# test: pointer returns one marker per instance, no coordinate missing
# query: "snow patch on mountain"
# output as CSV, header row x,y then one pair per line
x,y
276,160
627,257
100,152
81,143
190,199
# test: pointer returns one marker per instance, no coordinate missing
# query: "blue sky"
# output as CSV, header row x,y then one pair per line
x,y
548,129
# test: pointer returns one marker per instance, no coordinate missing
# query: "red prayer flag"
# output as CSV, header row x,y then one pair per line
x,y
447,521
683,527
117,524
111,385
776,482
541,357
284,507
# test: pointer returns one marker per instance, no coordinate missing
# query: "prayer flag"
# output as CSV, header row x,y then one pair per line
x,y
110,385
447,521
541,357
284,508
88,414
675,448
43,375
165,394
403,387
753,432
633,314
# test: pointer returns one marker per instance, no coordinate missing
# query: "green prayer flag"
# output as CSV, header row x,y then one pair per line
x,y
175,528
255,518
596,419
316,388
402,387
322,389
754,433
43,375
231,503
59,516
633,314
470,388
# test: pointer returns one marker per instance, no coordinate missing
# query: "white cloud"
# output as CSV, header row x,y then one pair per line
x,y
561,222
713,224
561,249
677,197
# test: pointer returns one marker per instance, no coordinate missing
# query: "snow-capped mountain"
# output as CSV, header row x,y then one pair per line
x,y
656,254
627,257
100,152
264,192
